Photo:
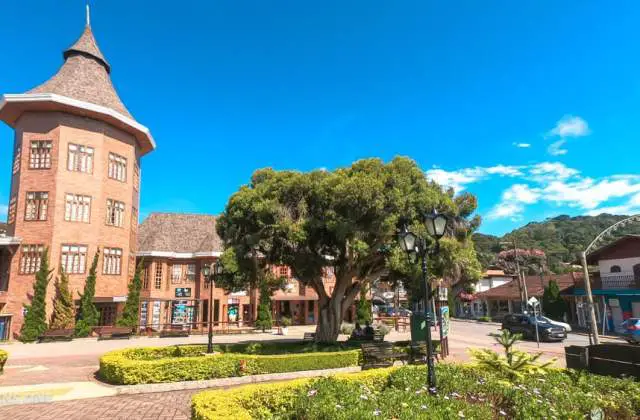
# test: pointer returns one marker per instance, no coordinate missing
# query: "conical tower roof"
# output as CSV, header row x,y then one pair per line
x,y
82,86
84,75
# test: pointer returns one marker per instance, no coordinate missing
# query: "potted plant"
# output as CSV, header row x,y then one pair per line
x,y
285,322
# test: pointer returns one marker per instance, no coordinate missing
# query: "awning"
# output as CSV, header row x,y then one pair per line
x,y
294,297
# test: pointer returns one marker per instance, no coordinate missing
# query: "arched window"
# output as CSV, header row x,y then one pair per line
x,y
615,269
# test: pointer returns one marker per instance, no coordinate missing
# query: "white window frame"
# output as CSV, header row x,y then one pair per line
x,y
115,213
36,205
112,261
77,208
117,167
73,258
80,158
30,258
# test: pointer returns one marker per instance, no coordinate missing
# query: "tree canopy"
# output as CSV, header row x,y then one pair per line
x,y
346,219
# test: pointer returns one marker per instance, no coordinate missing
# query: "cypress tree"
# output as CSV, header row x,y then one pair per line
x,y
363,309
63,310
35,320
263,319
89,315
132,306
552,303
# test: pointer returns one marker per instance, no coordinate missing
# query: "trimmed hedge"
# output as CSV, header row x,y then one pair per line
x,y
3,359
269,399
464,391
186,363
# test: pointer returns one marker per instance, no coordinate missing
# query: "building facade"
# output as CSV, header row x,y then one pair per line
x,y
173,248
75,185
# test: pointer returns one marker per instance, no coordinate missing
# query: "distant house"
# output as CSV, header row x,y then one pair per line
x,y
615,285
506,298
467,304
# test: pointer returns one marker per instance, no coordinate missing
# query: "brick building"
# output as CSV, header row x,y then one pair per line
x,y
75,184
174,247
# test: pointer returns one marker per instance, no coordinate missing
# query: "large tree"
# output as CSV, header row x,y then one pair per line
x,y
35,320
345,219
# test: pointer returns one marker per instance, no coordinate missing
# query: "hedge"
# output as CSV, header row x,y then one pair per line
x,y
186,363
269,399
464,391
3,359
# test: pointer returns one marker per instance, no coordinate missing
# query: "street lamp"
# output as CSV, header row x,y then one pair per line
x,y
210,274
414,245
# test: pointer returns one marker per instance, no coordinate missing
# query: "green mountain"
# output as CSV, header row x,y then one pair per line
x,y
561,238
3,227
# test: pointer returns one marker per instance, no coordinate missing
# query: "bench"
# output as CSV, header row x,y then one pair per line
x,y
309,336
56,335
377,355
174,331
114,333
418,352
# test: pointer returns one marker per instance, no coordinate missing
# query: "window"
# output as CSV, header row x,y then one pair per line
x,y
115,213
158,280
80,158
77,208
136,176
117,167
36,208
191,272
31,258
112,263
283,271
73,258
40,157
615,269
12,211
176,273
145,281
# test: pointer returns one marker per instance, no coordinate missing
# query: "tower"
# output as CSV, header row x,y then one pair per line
x,y
75,184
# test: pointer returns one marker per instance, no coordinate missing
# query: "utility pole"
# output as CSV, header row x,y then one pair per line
x,y
587,288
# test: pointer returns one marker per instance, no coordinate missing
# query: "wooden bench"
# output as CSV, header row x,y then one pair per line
x,y
174,331
418,352
377,355
309,336
114,333
56,335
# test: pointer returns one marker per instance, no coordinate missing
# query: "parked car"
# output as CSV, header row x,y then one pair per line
x,y
564,325
526,325
631,331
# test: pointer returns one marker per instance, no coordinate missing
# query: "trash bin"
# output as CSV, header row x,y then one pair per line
x,y
418,327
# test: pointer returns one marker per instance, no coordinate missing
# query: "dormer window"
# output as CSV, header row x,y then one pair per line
x,y
615,269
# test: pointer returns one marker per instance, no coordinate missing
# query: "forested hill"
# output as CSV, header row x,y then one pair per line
x,y
561,237
3,227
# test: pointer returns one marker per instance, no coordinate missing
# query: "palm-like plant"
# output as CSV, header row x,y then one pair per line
x,y
515,364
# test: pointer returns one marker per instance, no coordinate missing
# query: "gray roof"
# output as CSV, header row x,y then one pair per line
x,y
84,75
179,232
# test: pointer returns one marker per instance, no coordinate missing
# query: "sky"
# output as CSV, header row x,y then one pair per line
x,y
530,105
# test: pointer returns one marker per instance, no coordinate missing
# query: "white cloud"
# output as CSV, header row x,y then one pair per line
x,y
555,148
522,145
570,126
458,180
521,193
504,210
546,171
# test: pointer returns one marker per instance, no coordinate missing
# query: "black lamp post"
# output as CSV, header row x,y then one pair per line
x,y
412,244
210,274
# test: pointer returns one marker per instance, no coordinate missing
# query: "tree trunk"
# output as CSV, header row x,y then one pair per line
x,y
329,320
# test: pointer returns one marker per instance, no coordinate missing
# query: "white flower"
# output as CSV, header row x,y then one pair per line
x,y
338,406
446,397
536,391
312,392
364,397
376,412
455,395
404,404
460,414
424,407
503,413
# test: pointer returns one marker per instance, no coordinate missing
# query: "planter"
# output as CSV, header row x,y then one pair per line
x,y
284,330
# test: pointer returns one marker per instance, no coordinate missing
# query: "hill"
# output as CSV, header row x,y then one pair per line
x,y
561,237
3,227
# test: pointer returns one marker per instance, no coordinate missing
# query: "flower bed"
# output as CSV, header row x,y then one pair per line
x,y
187,363
3,359
464,391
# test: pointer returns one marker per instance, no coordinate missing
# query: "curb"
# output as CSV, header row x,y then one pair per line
x,y
228,382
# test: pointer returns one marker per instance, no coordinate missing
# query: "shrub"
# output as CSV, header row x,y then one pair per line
x,y
346,328
485,318
131,309
285,321
64,316
383,329
186,363
35,321
464,391
263,320
89,315
3,359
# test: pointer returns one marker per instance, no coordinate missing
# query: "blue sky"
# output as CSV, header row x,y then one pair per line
x,y
531,105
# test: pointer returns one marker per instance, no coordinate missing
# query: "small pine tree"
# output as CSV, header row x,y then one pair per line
x,y
63,316
263,319
132,306
552,303
363,310
35,320
89,315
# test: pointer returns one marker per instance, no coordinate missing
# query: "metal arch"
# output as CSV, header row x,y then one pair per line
x,y
612,228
